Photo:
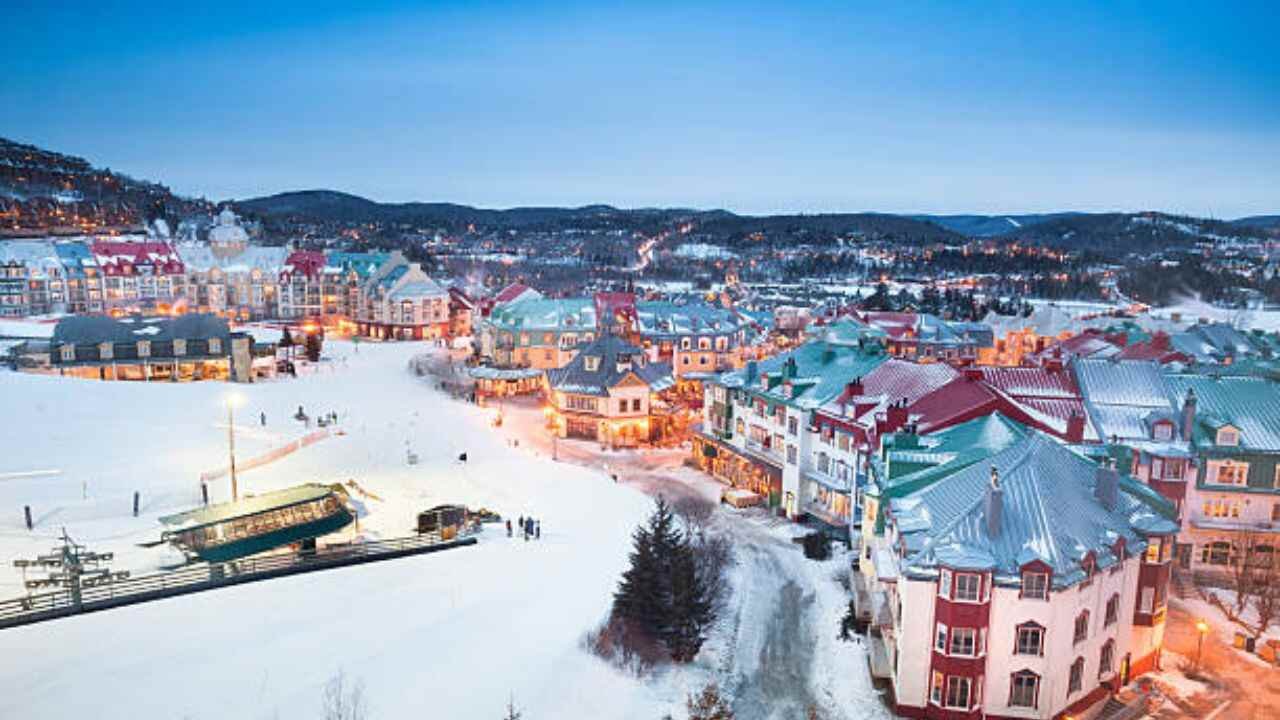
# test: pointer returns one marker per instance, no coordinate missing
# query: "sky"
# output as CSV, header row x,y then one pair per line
x,y
797,107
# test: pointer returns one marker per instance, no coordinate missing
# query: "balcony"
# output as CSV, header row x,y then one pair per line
x,y
830,481
825,514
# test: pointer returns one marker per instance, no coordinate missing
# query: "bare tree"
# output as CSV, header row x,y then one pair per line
x,y
343,700
709,705
1242,571
512,712
1266,598
694,512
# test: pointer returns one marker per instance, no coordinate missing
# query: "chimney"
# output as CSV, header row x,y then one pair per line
x,y
1188,414
973,373
789,370
994,505
752,368
1107,484
896,416
1075,428
1160,341
853,388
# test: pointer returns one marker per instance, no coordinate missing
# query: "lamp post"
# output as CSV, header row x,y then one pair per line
x,y
1203,628
233,400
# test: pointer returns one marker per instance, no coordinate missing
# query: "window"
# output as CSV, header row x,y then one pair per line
x,y
1035,586
941,643
1232,473
1148,602
824,463
1024,689
793,425
215,346
1163,431
1228,436
1275,512
964,641
791,454
843,441
1275,480
1030,640
1082,627
68,352
1108,655
1221,508
935,691
592,363
622,405
958,689
968,586
1076,680
1216,553
635,405
944,583
1113,610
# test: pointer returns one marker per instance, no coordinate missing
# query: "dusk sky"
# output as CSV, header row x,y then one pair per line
x,y
921,107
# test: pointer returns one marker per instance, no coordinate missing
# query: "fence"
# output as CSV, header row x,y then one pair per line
x,y
197,578
269,456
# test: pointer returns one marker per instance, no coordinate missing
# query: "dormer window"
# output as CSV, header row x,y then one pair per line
x,y
144,348
1035,585
1228,436
68,352
1162,431
592,363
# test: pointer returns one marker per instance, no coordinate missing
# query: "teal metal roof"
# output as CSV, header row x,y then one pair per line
x,y
1250,404
546,314
821,371
246,506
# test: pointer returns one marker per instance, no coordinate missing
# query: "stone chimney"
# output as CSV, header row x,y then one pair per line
x,y
1106,487
1188,414
994,505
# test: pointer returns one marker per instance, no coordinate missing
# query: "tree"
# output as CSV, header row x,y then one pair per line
x,y
286,340
342,700
1267,598
691,610
512,712
709,705
644,595
314,343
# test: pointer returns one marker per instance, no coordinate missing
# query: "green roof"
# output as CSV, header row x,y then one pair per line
x,y
821,371
246,506
1250,404
951,450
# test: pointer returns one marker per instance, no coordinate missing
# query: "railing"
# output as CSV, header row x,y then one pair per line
x,y
205,576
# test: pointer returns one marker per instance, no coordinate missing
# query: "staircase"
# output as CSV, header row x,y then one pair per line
x,y
1116,710
1183,585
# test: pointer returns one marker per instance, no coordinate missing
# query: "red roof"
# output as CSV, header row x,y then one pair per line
x,y
1032,382
123,257
896,324
1157,348
304,262
511,292
968,397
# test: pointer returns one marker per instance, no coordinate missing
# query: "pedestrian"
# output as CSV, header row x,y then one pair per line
x,y
537,530
264,419
508,527
520,524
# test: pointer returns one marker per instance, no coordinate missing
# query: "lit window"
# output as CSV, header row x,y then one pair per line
x,y
1232,473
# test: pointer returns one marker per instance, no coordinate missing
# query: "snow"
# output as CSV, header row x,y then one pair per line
x,y
703,251
463,629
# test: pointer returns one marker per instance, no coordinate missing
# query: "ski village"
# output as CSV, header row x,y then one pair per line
x,y
252,481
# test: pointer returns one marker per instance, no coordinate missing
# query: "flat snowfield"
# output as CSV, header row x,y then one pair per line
x,y
454,633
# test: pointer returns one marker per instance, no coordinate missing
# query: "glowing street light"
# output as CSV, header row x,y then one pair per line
x,y
1203,628
233,401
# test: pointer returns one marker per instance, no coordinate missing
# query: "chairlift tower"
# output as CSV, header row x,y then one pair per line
x,y
71,567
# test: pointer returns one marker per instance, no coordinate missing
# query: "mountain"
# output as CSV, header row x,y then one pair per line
x,y
46,191
1262,222
979,226
330,206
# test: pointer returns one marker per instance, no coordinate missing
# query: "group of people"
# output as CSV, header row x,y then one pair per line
x,y
528,527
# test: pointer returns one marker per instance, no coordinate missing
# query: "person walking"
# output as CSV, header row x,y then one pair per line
x,y
508,527
537,530
264,419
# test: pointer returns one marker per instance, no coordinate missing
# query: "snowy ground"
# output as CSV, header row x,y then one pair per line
x,y
462,630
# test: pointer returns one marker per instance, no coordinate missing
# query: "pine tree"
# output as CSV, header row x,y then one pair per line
x,y
644,595
691,610
313,347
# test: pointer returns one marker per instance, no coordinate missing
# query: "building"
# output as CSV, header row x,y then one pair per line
x,y
755,431
302,286
537,333
83,277
607,393
32,279
345,273
135,347
462,313
694,337
1232,509
927,338
139,275
1028,584
1044,398
400,302
232,278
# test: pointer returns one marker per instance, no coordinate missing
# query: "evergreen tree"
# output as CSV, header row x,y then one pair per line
x,y
691,610
313,347
644,595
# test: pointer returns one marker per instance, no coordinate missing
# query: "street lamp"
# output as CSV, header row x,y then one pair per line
x,y
233,400
1203,628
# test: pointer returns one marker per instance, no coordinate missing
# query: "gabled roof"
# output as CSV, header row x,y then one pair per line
x,y
514,292
252,505
1123,397
821,370
1249,403
546,314
1049,512
609,353
666,319
948,451
892,381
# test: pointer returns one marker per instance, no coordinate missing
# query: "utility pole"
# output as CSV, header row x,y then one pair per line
x,y
231,444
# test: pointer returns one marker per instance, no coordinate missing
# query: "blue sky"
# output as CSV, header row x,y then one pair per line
x,y
801,106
